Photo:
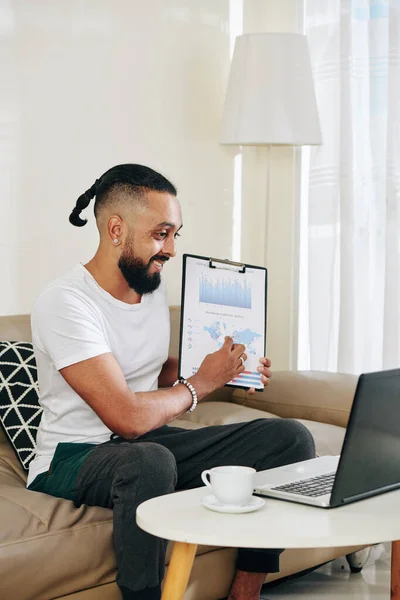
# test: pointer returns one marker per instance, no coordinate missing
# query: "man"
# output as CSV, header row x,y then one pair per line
x,y
101,336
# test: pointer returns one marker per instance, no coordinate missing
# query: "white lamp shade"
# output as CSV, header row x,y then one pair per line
x,y
270,97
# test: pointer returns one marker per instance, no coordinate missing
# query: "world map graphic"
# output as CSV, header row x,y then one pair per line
x,y
218,330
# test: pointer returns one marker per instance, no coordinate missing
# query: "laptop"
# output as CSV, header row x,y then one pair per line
x,y
369,463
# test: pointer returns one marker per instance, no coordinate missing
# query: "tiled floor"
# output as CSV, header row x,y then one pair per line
x,y
335,581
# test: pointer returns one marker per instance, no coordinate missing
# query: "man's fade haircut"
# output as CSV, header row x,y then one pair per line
x,y
121,179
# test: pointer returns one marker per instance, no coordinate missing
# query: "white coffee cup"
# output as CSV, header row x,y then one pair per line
x,y
230,484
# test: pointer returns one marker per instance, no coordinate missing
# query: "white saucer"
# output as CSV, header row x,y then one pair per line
x,y
213,504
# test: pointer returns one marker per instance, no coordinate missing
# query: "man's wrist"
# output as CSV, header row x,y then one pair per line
x,y
202,387
190,387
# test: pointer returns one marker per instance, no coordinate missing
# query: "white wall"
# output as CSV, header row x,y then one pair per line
x,y
87,85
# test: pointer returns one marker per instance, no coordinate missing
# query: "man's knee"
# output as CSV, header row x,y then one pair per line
x,y
299,439
159,463
154,464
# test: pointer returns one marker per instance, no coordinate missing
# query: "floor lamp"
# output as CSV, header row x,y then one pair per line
x,y
270,98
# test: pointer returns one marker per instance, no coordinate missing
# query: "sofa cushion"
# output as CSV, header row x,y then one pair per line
x,y
71,548
20,412
328,438
223,413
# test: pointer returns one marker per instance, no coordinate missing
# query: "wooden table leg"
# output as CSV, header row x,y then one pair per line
x,y
395,571
178,571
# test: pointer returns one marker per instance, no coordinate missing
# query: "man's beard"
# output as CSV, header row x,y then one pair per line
x,y
136,273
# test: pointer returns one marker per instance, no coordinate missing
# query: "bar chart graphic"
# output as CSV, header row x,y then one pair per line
x,y
248,378
225,292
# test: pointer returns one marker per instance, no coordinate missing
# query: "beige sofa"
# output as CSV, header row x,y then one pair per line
x,y
50,549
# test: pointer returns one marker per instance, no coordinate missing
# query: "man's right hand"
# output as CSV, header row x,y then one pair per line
x,y
219,368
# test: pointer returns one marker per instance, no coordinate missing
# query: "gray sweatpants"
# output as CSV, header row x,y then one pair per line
x,y
121,474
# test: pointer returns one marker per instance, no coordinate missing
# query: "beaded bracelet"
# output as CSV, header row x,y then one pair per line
x,y
191,390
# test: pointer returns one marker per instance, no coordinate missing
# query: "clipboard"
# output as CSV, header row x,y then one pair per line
x,y
221,297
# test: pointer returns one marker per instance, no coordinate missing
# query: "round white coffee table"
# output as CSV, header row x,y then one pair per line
x,y
181,518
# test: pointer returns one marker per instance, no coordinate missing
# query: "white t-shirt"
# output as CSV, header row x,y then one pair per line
x,y
75,319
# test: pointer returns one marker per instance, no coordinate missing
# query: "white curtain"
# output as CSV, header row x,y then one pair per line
x,y
350,275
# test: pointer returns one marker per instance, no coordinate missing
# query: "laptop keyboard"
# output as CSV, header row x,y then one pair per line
x,y
315,486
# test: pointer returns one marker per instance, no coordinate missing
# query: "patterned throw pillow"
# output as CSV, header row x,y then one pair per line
x,y
20,412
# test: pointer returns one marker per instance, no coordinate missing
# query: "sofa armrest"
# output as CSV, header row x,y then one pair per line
x,y
314,395
224,394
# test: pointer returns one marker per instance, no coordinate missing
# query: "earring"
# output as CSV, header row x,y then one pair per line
x,y
115,240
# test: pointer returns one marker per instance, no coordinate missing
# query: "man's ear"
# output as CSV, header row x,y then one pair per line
x,y
115,229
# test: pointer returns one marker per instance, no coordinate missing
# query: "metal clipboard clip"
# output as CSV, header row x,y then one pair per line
x,y
226,264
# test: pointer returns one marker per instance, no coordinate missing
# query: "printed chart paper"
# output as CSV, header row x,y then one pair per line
x,y
222,301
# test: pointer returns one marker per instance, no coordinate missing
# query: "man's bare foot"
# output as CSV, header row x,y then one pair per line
x,y
247,586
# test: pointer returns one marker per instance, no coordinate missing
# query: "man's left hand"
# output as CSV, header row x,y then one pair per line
x,y
265,371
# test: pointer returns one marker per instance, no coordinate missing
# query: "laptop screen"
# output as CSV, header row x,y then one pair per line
x,y
370,458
